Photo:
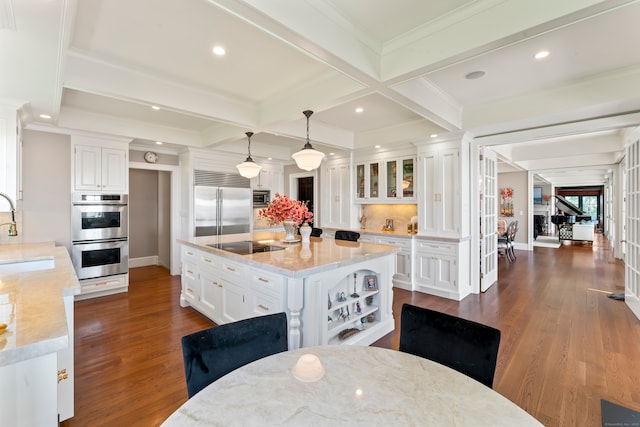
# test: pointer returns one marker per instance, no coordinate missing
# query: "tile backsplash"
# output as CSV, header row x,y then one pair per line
x,y
377,215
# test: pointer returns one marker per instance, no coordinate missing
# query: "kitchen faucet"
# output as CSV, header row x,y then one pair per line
x,y
13,229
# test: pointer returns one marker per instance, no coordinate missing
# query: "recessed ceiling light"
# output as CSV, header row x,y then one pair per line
x,y
155,107
219,50
359,110
45,116
332,154
474,75
434,135
159,142
376,146
269,158
542,54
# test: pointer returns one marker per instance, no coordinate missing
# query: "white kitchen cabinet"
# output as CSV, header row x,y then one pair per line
x,y
211,294
234,305
66,374
248,290
101,286
337,201
269,179
368,181
389,180
227,291
190,277
32,393
100,169
439,178
402,275
399,180
438,270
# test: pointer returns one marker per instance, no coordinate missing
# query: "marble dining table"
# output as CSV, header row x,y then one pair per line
x,y
347,385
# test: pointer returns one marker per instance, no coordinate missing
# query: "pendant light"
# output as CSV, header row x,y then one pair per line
x,y
249,168
308,158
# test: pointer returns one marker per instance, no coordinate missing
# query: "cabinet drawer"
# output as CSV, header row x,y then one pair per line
x,y
233,272
103,284
189,254
207,260
437,247
265,304
266,282
366,239
405,244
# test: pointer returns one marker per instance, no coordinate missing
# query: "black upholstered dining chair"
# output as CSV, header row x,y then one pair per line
x,y
464,345
214,352
351,236
316,232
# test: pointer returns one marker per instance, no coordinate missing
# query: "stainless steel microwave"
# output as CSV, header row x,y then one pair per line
x,y
261,198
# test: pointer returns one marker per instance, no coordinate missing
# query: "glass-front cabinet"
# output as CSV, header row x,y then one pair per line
x,y
399,179
390,181
368,181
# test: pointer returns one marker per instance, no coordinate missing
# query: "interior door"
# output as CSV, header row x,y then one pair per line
x,y
632,229
489,219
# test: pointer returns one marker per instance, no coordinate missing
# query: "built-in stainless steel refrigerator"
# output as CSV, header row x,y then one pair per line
x,y
221,209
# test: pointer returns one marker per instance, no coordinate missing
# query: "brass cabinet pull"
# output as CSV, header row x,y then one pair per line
x,y
62,375
230,268
209,260
263,279
265,308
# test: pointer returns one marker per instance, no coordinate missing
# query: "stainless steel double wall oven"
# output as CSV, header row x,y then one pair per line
x,y
100,234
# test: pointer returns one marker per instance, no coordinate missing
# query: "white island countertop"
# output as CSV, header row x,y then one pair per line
x,y
301,259
31,302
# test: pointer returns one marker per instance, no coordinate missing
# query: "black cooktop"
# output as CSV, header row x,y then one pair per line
x,y
245,247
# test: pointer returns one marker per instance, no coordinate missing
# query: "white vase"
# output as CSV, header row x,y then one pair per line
x,y
305,232
289,230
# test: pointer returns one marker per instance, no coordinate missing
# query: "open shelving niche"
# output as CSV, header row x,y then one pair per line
x,y
343,315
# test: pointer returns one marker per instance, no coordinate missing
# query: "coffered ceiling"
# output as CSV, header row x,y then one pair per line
x,y
100,65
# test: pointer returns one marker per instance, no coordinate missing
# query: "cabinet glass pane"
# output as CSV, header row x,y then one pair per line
x,y
360,181
392,175
374,177
407,178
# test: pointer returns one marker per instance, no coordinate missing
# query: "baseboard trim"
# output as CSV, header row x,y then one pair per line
x,y
143,261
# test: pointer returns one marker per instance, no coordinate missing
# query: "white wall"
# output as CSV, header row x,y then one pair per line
x,y
518,182
46,176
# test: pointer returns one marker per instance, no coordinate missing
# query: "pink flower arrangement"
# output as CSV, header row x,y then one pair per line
x,y
285,209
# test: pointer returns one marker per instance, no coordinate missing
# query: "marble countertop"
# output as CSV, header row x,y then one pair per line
x,y
299,259
348,385
31,303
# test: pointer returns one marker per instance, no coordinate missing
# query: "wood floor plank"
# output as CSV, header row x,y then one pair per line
x,y
564,345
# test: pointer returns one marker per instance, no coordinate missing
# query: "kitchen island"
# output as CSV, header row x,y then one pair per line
x,y
334,292
37,287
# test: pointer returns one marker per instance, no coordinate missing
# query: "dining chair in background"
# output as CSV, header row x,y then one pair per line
x,y
316,232
505,241
351,236
464,345
214,352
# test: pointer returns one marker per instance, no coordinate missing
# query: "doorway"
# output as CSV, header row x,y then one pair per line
x,y
302,186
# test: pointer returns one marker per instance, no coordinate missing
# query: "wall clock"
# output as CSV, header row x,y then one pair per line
x,y
150,157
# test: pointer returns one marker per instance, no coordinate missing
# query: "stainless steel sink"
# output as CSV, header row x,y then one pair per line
x,y
27,265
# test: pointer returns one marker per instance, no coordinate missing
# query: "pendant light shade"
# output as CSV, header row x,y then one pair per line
x,y
249,168
308,158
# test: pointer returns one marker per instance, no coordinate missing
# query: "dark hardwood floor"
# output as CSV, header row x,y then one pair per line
x,y
564,345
